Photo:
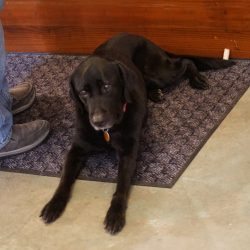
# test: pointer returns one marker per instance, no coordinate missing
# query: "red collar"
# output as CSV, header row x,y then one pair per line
x,y
106,131
124,108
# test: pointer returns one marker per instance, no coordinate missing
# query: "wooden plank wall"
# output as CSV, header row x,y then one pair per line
x,y
197,27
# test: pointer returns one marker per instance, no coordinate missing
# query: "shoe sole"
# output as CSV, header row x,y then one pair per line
x,y
24,107
26,148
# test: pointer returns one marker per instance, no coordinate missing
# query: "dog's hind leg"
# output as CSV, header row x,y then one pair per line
x,y
155,95
196,80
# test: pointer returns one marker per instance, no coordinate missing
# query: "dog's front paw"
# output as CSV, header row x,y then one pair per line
x,y
52,210
115,220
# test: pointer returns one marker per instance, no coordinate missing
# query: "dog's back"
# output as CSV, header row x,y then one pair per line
x,y
159,68
125,44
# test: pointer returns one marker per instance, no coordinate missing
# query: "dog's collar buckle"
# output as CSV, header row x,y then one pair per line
x,y
106,135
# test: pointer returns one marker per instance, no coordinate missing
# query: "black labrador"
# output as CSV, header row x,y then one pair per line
x,y
110,90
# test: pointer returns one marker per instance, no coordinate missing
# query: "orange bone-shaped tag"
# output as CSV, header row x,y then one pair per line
x,y
106,135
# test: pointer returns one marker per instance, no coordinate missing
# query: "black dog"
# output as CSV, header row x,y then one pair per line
x,y
110,91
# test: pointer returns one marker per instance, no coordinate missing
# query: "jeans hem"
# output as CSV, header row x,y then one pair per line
x,y
6,140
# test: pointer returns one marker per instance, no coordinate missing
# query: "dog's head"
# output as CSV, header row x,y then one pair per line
x,y
101,87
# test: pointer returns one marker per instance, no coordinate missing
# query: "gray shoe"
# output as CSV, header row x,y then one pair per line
x,y
23,97
25,137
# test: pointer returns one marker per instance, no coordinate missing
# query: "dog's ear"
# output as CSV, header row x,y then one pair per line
x,y
129,78
74,96
72,92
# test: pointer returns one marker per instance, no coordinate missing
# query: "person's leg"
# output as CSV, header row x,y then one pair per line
x,y
19,138
6,120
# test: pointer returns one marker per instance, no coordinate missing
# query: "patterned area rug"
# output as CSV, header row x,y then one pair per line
x,y
176,129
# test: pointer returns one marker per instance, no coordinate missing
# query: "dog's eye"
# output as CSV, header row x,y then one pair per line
x,y
106,87
83,94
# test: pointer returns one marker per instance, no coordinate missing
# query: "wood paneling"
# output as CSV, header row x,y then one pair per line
x,y
198,27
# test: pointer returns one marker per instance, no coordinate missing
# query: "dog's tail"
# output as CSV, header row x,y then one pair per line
x,y
205,63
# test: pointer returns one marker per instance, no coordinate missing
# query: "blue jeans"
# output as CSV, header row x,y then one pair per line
x,y
6,119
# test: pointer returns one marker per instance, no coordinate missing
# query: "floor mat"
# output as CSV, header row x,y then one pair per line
x,y
176,129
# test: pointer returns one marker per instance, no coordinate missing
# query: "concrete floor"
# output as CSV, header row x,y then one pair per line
x,y
208,208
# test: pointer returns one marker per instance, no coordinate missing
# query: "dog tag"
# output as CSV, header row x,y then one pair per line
x,y
106,135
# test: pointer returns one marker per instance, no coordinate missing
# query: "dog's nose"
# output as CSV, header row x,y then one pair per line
x,y
98,119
